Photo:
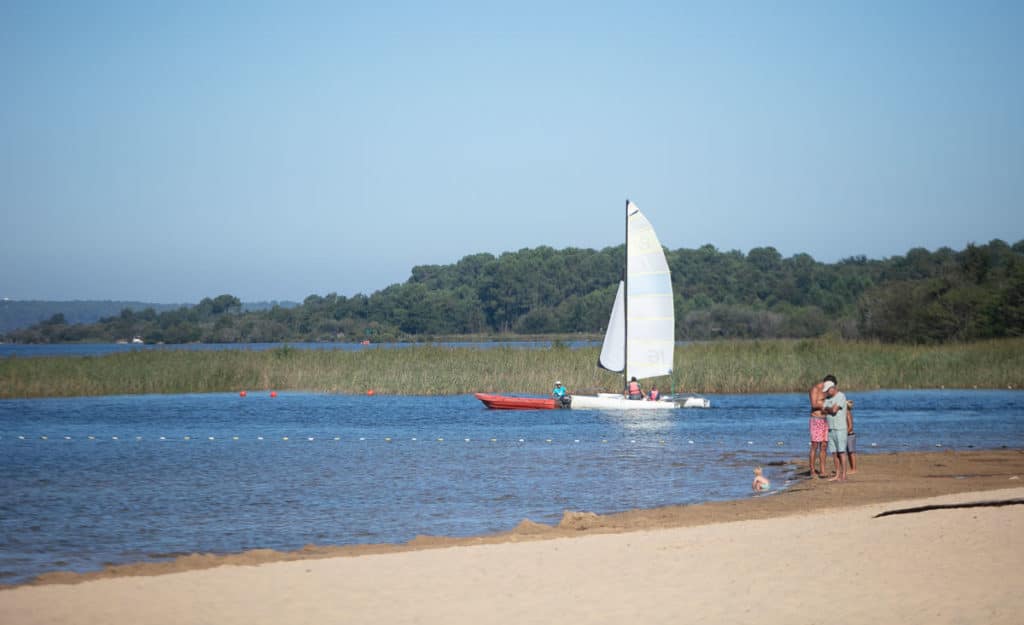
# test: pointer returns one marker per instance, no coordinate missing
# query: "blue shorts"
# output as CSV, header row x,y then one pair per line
x,y
837,441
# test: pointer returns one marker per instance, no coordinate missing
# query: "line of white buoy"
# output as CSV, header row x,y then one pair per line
x,y
386,439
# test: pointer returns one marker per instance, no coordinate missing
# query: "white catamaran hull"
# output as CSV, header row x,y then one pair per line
x,y
612,401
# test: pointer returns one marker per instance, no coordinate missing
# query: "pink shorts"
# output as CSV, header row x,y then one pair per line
x,y
819,430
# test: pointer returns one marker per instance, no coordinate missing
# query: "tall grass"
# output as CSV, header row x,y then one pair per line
x,y
715,367
792,365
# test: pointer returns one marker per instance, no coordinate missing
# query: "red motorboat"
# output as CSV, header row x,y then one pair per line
x,y
504,402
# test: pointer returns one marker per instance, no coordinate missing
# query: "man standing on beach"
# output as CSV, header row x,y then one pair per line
x,y
819,430
836,413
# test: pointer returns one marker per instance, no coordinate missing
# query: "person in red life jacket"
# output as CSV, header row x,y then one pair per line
x,y
654,395
633,390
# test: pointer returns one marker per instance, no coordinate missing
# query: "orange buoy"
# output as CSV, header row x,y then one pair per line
x,y
371,392
242,394
273,393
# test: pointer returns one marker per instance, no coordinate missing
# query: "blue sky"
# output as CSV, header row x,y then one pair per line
x,y
170,151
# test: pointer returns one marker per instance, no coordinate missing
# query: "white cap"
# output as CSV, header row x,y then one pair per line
x,y
828,385
558,382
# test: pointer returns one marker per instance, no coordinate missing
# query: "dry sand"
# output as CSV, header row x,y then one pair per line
x,y
816,553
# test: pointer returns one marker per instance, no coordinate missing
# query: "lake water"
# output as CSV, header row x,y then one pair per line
x,y
31,350
89,481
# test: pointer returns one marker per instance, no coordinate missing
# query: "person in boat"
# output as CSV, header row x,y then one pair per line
x,y
654,395
561,394
633,390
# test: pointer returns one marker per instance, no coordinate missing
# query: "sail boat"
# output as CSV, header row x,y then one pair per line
x,y
640,339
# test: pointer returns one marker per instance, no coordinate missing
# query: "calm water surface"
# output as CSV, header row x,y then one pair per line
x,y
90,481
101,349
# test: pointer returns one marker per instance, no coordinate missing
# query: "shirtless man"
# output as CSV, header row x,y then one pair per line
x,y
818,427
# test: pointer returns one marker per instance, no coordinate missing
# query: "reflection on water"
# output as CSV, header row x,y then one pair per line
x,y
118,479
646,421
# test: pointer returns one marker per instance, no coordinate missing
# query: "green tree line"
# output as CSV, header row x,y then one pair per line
x,y
921,297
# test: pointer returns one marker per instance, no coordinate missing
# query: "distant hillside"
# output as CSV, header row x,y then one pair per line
x,y
16,314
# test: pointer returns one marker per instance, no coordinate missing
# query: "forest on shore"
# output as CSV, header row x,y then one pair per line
x,y
922,297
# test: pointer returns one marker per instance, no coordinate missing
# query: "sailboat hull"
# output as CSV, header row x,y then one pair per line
x,y
611,401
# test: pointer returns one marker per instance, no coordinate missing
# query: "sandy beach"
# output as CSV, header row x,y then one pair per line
x,y
816,553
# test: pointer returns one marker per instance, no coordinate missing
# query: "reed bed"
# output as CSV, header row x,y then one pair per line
x,y
713,368
792,365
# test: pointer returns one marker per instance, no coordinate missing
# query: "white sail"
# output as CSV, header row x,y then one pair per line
x,y
640,339
650,325
613,350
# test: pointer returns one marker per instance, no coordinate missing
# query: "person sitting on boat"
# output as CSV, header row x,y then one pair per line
x,y
654,395
633,390
561,393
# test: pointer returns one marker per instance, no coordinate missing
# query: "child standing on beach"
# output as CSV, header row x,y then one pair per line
x,y
760,481
851,438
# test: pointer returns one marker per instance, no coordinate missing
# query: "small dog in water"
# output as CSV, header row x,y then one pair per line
x,y
760,481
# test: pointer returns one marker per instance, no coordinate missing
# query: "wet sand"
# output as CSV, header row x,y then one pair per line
x,y
815,553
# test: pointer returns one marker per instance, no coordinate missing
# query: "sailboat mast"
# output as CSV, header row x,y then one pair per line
x,y
625,306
